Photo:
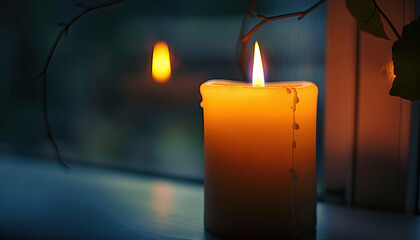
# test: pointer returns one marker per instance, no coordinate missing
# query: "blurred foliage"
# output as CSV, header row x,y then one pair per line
x,y
367,17
405,51
406,58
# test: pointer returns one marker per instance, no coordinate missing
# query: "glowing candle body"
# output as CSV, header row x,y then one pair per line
x,y
260,162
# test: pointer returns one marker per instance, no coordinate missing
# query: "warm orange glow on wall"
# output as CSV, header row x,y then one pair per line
x,y
388,69
161,63
257,68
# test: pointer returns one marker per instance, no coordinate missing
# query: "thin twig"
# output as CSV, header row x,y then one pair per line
x,y
387,20
242,58
265,20
43,75
244,38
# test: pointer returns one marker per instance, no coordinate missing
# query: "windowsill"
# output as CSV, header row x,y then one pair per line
x,y
41,200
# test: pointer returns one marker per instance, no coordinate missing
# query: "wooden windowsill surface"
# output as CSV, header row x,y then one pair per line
x,y
40,200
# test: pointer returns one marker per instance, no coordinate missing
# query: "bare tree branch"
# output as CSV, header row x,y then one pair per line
x,y
269,19
43,75
244,38
243,48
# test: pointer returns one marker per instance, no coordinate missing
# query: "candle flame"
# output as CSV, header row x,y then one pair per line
x,y
257,68
161,64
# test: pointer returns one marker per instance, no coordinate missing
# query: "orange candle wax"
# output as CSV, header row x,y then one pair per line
x,y
260,162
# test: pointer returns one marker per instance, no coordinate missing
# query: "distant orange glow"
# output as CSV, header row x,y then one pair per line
x,y
257,68
161,63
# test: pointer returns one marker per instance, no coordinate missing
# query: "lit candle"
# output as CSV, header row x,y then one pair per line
x,y
260,168
157,79
161,64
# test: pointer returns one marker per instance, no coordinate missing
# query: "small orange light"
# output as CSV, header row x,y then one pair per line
x,y
257,68
161,63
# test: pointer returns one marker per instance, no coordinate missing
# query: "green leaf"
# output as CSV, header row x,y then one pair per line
x,y
406,58
367,16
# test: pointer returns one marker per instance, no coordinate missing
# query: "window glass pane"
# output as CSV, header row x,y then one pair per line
x,y
104,106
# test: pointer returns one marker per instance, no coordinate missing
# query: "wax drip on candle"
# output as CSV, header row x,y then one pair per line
x,y
292,170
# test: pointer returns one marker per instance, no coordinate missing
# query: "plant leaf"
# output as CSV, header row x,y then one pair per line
x,y
367,16
406,58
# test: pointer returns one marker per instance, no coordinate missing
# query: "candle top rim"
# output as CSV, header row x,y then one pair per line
x,y
240,84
